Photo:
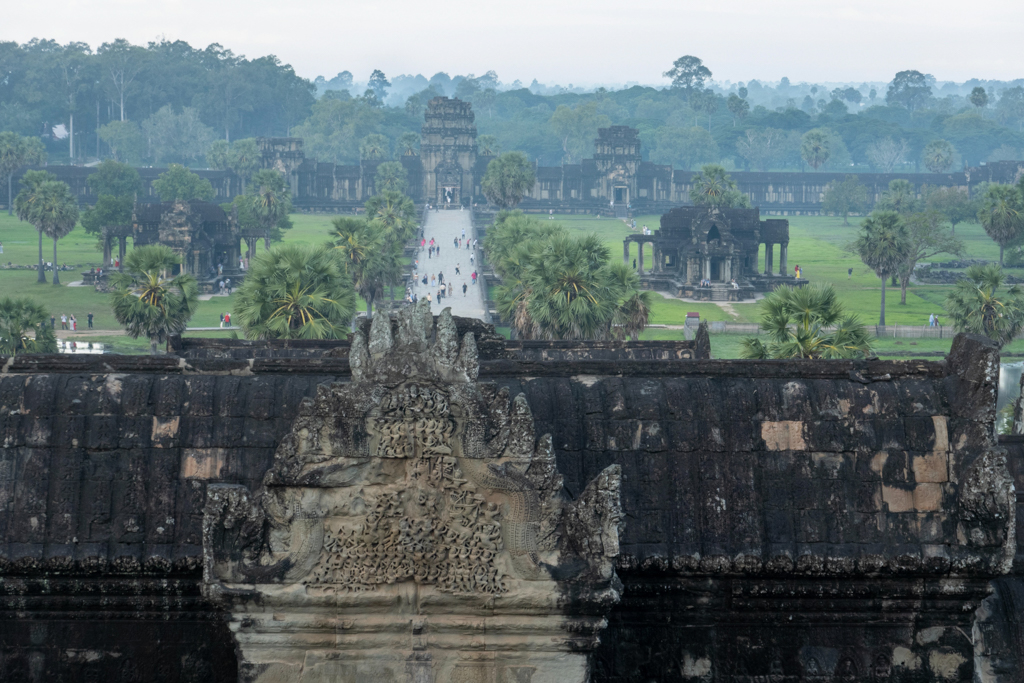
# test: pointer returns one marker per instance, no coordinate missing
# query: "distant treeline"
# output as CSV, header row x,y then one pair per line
x,y
168,102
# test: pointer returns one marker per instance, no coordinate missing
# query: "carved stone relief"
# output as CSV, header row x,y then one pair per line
x,y
411,517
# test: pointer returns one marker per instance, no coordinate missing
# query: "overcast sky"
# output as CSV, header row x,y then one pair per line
x,y
566,41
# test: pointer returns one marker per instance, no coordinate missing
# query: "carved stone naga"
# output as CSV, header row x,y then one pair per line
x,y
413,528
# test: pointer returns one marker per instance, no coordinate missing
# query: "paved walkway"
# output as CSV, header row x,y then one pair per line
x,y
443,227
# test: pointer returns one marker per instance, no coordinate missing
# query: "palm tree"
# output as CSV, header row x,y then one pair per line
x,y
807,322
815,148
26,202
882,245
571,296
977,306
270,199
901,197
1002,215
374,146
296,292
634,311
712,186
394,214
54,212
391,175
146,302
408,144
371,262
17,318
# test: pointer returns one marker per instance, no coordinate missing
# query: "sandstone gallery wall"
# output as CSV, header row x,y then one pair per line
x,y
783,521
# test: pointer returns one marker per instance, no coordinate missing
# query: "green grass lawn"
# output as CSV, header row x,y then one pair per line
x,y
81,250
817,244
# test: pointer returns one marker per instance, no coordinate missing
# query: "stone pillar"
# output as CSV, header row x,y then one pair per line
x,y
727,268
659,259
783,252
707,267
122,249
640,259
625,252
769,257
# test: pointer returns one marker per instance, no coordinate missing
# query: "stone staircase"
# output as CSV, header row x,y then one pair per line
x,y
719,294
621,211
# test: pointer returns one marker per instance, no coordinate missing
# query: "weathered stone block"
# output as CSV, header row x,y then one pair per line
x,y
931,468
898,498
928,497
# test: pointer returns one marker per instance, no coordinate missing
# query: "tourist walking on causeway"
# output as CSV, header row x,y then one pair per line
x,y
457,269
464,288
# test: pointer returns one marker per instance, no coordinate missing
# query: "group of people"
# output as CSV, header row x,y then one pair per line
x,y
441,288
69,322
225,319
933,320
705,282
432,249
224,286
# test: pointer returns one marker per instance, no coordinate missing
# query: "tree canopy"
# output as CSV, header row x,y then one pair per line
x,y
24,328
148,302
883,244
507,180
560,286
980,305
712,186
1002,215
845,196
296,292
807,322
178,183
688,73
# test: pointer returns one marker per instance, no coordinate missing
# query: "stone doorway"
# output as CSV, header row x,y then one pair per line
x,y
621,195
448,196
716,269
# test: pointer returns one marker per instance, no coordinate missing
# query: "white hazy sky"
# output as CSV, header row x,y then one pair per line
x,y
566,41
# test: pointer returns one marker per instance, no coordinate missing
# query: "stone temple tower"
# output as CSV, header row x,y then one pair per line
x,y
448,152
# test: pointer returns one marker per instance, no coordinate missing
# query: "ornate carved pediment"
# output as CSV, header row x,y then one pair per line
x,y
415,480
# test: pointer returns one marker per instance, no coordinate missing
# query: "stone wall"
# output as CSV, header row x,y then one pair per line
x,y
805,521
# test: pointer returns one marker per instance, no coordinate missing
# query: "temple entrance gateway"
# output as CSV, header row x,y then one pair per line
x,y
621,195
716,269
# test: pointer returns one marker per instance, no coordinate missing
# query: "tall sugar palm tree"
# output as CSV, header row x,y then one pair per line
x,y
634,309
807,322
270,199
55,213
882,244
391,175
977,305
372,262
18,318
296,292
394,214
25,204
1002,215
571,296
148,302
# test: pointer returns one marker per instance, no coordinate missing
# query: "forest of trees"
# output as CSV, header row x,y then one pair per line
x,y
169,102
